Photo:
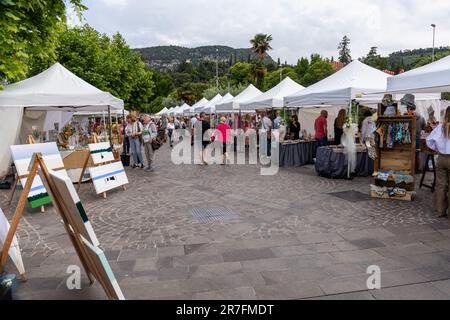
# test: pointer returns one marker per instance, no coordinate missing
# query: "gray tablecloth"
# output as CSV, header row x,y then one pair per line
x,y
296,155
333,165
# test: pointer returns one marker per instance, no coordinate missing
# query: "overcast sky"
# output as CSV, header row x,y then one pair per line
x,y
299,27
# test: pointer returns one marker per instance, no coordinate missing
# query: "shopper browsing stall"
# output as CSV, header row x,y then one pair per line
x,y
321,131
134,133
439,140
149,133
339,126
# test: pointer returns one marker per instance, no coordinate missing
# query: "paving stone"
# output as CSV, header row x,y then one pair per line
x,y
425,291
356,256
374,233
299,275
288,291
399,278
365,295
197,259
344,284
443,286
170,251
405,250
128,254
218,269
244,293
367,243
247,254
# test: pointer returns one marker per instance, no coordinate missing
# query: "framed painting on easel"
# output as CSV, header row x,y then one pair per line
x,y
14,251
22,155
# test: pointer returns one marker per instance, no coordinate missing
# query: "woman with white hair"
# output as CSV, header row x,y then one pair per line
x,y
223,132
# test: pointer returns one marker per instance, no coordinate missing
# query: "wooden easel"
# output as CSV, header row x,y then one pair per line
x,y
30,140
89,266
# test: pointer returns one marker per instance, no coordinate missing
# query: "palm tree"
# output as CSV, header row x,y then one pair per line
x,y
261,44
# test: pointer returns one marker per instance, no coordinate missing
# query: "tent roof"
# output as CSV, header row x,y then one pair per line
x,y
184,108
57,88
211,108
213,101
200,103
433,77
341,87
274,97
99,113
162,112
248,94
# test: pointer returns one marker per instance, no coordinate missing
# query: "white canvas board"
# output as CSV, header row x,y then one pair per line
x,y
73,203
101,152
102,265
108,177
14,250
22,155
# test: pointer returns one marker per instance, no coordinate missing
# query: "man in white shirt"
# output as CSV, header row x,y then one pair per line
x,y
266,124
439,141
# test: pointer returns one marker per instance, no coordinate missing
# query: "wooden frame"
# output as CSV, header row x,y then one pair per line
x,y
92,268
402,157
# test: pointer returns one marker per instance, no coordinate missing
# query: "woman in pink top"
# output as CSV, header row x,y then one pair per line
x,y
223,133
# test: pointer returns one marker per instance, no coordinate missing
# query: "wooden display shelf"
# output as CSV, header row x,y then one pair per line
x,y
401,157
410,196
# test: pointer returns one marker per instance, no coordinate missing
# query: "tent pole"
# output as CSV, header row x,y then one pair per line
x,y
109,124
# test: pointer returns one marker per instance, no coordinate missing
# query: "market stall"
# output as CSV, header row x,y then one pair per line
x,y
297,153
331,162
55,89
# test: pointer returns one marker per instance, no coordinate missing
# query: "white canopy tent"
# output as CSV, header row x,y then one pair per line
x,y
273,99
54,89
212,102
185,108
341,87
199,104
173,111
434,77
211,108
163,112
234,105
57,88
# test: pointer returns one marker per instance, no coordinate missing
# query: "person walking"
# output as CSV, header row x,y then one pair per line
x,y
170,130
149,133
223,133
294,128
277,121
126,139
267,126
134,133
439,141
205,126
321,129
339,126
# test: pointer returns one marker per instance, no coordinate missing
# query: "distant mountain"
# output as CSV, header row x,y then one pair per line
x,y
408,58
165,58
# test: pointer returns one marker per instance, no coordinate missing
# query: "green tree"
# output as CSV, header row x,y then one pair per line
x,y
317,71
302,67
275,77
241,73
108,64
29,29
375,60
261,45
344,51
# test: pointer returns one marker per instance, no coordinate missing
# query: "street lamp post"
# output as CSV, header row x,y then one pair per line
x,y
434,37
217,69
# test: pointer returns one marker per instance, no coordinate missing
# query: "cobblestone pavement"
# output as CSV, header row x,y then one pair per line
x,y
292,237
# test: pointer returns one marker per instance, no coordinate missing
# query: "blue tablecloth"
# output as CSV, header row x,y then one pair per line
x,y
297,154
331,164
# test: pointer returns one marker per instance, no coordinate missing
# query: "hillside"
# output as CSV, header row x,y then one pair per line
x,y
408,58
165,58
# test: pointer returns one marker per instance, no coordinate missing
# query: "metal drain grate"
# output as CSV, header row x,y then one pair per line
x,y
352,196
206,215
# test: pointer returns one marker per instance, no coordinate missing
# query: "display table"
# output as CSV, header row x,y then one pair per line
x,y
296,153
332,163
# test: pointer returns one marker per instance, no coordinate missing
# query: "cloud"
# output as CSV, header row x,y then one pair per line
x,y
299,27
